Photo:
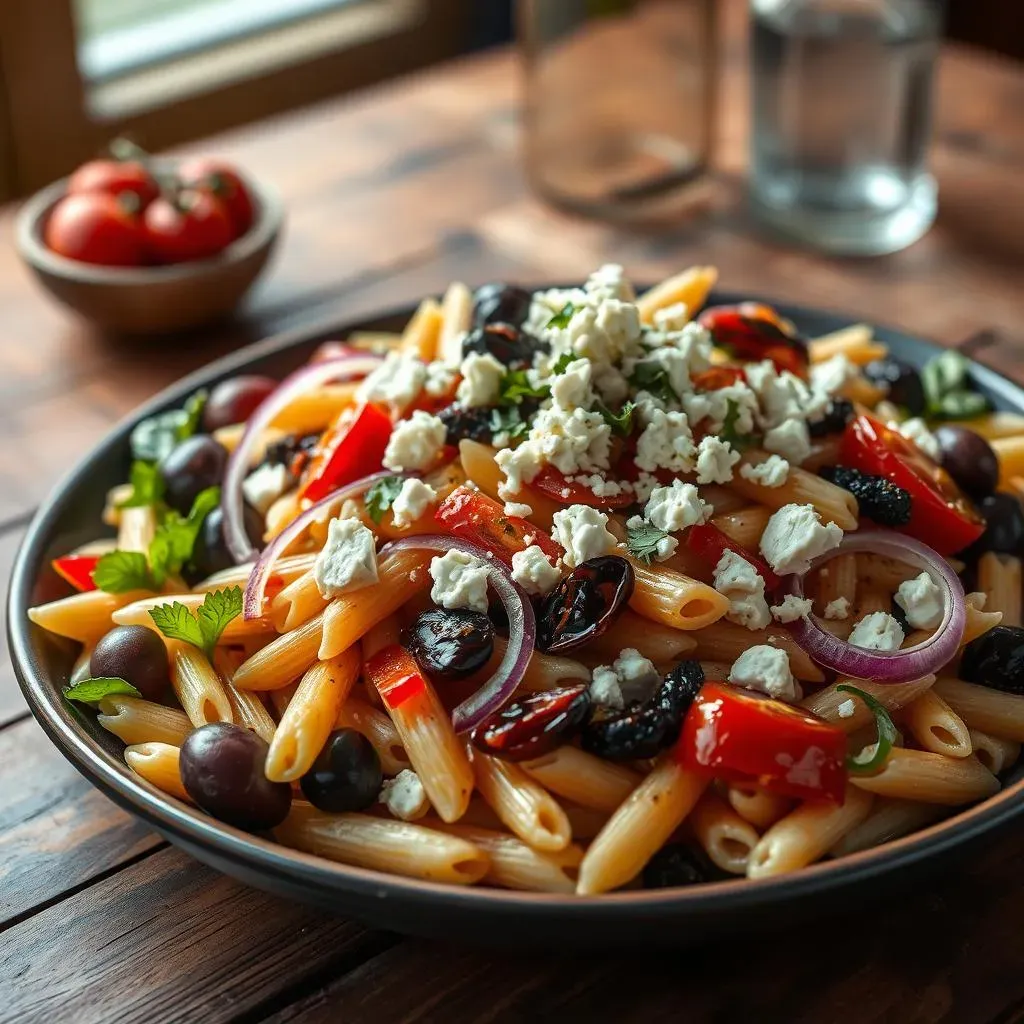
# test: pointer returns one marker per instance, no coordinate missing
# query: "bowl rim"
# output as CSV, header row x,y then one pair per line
x,y
195,829
28,239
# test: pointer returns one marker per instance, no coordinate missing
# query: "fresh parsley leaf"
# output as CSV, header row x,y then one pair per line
x,y
175,538
738,441
562,363
515,386
887,734
147,485
381,496
176,622
563,316
510,423
947,389
642,540
193,410
91,691
960,405
216,611
621,422
653,378
117,572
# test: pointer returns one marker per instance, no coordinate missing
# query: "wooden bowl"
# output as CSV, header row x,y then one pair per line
x,y
150,300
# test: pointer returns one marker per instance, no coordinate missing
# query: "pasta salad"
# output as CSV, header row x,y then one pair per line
x,y
569,590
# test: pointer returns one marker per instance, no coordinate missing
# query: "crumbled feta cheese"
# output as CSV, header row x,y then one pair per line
x,y
404,796
415,443
785,396
773,472
412,502
676,507
533,571
792,608
790,439
396,382
917,431
460,581
675,365
520,465
765,669
611,384
715,459
737,400
832,375
600,485
439,378
265,484
846,709
794,536
921,599
583,532
571,388
838,609
630,678
605,689
348,561
573,441
666,443
481,380
603,329
610,282
736,579
878,631
672,319
519,509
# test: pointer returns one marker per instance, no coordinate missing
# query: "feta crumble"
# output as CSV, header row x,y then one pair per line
x,y
715,459
921,599
765,669
519,509
481,380
412,502
396,382
917,431
348,561
792,608
878,631
838,609
264,485
794,536
666,443
533,571
583,532
415,443
676,507
605,690
773,472
833,375
404,796
571,389
736,579
630,678
790,439
846,709
460,581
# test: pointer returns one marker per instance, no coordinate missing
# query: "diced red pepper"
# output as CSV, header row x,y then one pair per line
x,y
351,448
475,517
718,377
741,735
753,331
77,570
396,676
552,483
709,543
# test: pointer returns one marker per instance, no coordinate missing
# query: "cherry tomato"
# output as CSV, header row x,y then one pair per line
x,y
209,175
742,735
753,331
553,484
115,177
475,517
191,226
96,227
351,448
940,514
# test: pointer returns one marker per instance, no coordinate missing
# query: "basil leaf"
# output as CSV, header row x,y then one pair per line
x,y
947,388
887,734
509,422
91,691
739,442
562,363
381,496
147,485
621,422
642,540
960,405
653,378
175,538
562,317
515,386
118,572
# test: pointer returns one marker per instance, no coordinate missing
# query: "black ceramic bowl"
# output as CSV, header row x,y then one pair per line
x,y
72,516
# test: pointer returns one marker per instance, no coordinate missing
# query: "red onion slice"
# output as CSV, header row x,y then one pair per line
x,y
522,628
255,589
886,666
306,379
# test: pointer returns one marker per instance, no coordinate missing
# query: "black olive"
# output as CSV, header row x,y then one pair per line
x,y
1004,526
647,729
223,768
878,499
285,451
585,603
675,865
969,459
474,424
192,466
135,654
210,553
450,644
904,383
346,776
235,400
510,345
501,303
534,725
838,414
996,659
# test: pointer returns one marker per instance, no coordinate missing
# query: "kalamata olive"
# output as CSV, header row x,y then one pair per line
x,y
223,768
474,424
235,400
675,865
649,728
210,553
292,451
192,466
135,654
500,303
534,725
996,659
838,414
450,644
902,380
1004,526
510,345
585,603
346,776
968,458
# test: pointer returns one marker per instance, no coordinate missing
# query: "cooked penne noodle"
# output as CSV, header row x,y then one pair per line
x,y
378,728
981,707
283,659
231,436
137,614
994,425
157,763
855,338
936,727
421,334
296,603
745,526
286,569
675,600
691,288
478,462
654,640
723,499
837,579
82,668
82,617
136,528
456,316
135,720
726,641
761,808
315,410
281,513
380,635
374,341
892,696
583,778
930,778
247,706
999,577
995,753
889,819
727,838
200,691
281,698
1010,453
881,571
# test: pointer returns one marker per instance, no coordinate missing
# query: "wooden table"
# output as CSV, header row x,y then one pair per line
x,y
391,195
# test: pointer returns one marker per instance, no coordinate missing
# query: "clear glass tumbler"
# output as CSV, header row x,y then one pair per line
x,y
619,102
842,117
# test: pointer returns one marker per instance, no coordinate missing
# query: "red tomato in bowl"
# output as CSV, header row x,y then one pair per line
x,y
190,226
96,227
115,177
209,175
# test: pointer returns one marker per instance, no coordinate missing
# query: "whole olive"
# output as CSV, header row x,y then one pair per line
x,y
510,345
500,303
135,654
903,382
969,459
996,659
223,768
675,865
346,776
192,466
450,644
210,553
1004,526
235,400
535,725
475,423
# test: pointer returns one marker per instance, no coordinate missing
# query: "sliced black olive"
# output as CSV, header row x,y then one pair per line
x,y
903,381
585,603
1004,526
534,725
474,424
501,303
450,644
285,451
675,865
878,499
838,414
510,345
969,459
649,728
346,776
996,659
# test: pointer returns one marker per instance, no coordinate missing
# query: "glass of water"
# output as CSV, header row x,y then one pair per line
x,y
842,116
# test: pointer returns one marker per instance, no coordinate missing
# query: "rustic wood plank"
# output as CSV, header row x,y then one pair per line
x,y
12,703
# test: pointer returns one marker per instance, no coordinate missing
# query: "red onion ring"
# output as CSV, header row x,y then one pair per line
x,y
885,666
522,628
305,379
252,606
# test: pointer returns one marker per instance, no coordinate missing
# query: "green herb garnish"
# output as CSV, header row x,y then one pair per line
x,y
621,422
739,442
642,540
381,496
203,629
155,437
118,572
947,389
515,386
147,485
193,410
509,422
887,734
91,691
176,535
562,363
653,378
563,316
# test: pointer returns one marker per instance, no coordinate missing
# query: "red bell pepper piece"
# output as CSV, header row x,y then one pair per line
x,y
552,483
77,570
396,676
351,448
475,517
753,331
940,515
709,543
741,735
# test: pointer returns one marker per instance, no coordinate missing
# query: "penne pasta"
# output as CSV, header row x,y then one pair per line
x,y
856,338
981,707
314,410
930,778
995,753
727,837
480,467
654,640
691,288
761,808
82,617
583,778
744,526
197,686
936,727
285,570
379,730
892,696
999,578
157,763
137,612
456,316
889,819
672,599
837,579
726,641
282,660
135,720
